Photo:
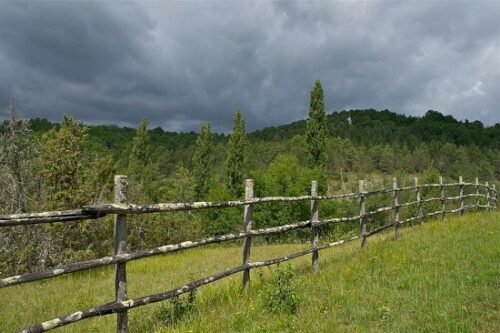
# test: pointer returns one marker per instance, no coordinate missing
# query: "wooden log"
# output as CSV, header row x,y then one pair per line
x,y
461,182
441,194
46,217
120,246
362,218
420,212
247,226
124,257
115,307
395,205
314,228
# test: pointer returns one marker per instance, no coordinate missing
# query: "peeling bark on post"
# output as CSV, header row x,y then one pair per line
x,y
120,244
395,207
442,198
494,197
420,212
477,193
314,228
362,218
487,185
461,182
247,226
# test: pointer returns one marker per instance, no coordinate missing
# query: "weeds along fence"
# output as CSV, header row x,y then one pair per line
x,y
478,196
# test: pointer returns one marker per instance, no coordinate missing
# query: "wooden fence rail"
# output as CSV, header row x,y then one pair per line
x,y
121,208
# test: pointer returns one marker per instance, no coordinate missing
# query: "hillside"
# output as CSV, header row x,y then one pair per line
x,y
441,277
389,139
366,127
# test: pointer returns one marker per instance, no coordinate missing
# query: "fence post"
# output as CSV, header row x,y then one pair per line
x,y
247,226
477,193
395,207
362,218
461,182
495,195
314,229
441,195
487,195
120,243
420,212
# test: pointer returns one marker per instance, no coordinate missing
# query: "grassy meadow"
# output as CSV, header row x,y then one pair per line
x,y
439,277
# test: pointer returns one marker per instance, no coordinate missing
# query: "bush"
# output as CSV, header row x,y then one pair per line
x,y
176,309
280,295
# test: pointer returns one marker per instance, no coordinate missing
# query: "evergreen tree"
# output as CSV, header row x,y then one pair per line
x,y
139,162
234,165
62,162
203,162
316,128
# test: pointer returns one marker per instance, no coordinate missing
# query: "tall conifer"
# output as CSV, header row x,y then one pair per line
x,y
203,162
139,163
235,159
316,128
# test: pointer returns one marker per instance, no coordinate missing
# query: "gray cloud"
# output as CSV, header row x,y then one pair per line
x,y
183,63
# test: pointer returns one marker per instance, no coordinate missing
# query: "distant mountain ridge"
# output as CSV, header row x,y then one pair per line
x,y
362,127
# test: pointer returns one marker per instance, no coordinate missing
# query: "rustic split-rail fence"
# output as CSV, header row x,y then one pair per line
x,y
484,197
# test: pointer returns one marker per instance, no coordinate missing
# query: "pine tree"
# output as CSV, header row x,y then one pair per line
x,y
62,159
139,162
203,162
316,128
235,160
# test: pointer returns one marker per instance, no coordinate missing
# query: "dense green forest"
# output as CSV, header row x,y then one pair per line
x,y
64,165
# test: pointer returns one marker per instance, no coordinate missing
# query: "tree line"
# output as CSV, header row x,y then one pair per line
x,y
47,166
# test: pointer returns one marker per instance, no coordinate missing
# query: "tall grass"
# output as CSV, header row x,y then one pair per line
x,y
439,277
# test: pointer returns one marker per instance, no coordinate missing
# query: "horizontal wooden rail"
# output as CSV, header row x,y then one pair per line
x,y
110,260
115,307
98,211
124,257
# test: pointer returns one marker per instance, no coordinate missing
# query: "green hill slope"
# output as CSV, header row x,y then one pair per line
x,y
441,277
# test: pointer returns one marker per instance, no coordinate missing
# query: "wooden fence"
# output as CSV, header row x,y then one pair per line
x,y
121,208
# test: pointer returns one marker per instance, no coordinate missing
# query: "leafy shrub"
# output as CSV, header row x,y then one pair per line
x,y
176,309
280,295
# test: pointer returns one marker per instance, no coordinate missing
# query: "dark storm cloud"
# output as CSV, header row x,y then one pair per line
x,y
183,63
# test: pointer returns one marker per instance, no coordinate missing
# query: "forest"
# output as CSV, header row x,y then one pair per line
x,y
51,166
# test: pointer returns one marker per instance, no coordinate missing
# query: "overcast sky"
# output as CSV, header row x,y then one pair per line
x,y
180,64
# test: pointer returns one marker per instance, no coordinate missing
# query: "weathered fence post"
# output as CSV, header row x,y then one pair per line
x,y
461,182
441,196
395,208
495,195
120,243
420,212
477,193
247,226
487,195
314,229
362,218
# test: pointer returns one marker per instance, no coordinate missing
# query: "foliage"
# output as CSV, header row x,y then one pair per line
x,y
281,294
175,309
140,157
203,162
16,154
316,128
61,165
234,167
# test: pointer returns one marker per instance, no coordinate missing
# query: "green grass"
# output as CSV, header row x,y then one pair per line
x,y
441,277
